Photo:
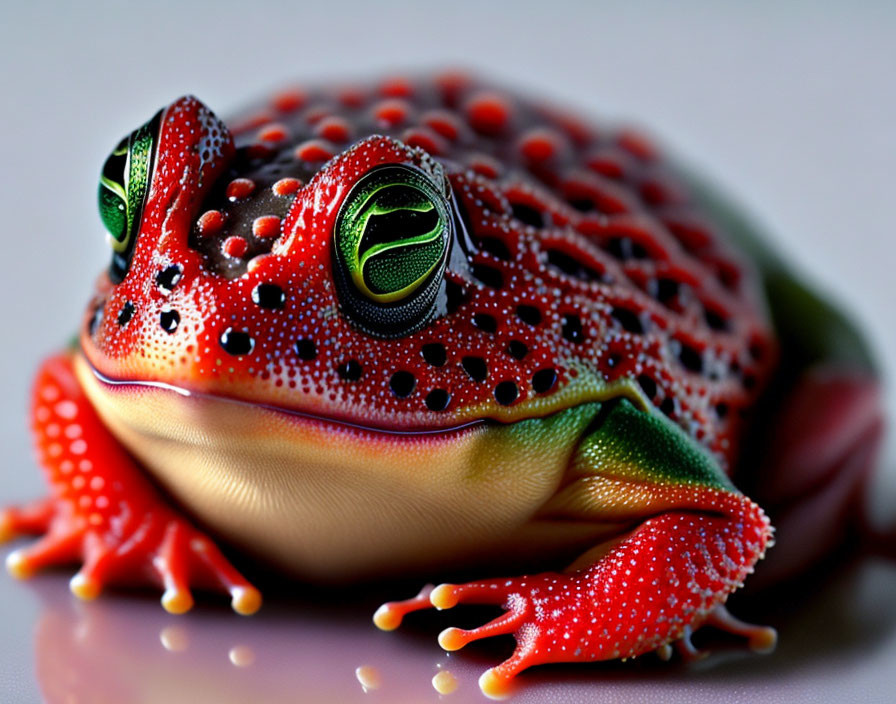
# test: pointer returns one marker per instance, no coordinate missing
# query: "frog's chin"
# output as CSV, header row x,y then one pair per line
x,y
333,501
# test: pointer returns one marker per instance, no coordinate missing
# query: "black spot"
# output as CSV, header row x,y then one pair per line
x,y
715,320
629,320
527,215
236,342
475,367
528,314
664,289
485,322
648,385
543,380
125,314
721,410
571,266
496,248
583,205
268,296
438,400
756,351
454,296
506,393
624,249
402,384
95,320
572,328
306,349
487,275
350,370
435,354
749,382
691,359
169,320
517,349
668,406
167,278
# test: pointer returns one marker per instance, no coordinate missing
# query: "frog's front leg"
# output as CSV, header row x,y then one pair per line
x,y
694,539
103,511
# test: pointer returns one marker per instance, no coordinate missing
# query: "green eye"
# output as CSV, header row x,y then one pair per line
x,y
390,245
124,184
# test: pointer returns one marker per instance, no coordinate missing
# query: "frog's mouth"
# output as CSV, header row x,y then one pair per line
x,y
134,387
584,387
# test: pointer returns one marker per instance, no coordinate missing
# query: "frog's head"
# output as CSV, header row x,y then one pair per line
x,y
353,267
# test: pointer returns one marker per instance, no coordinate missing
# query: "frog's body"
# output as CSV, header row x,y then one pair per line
x,y
408,329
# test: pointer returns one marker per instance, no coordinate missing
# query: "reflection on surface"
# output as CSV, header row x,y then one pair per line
x,y
125,648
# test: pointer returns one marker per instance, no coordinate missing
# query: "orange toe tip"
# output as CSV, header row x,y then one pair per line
x,y
18,566
177,601
84,588
493,686
387,618
764,640
245,600
443,596
452,639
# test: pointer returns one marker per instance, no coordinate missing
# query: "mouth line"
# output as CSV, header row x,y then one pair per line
x,y
303,415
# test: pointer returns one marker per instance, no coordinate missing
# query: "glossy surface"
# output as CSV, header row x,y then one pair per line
x,y
127,649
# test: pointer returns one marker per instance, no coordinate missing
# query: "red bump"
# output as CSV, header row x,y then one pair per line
x,y
313,150
442,122
234,247
266,226
252,122
392,112
273,133
286,186
351,96
425,139
488,112
485,166
289,100
210,222
334,129
452,84
240,188
636,144
539,144
396,87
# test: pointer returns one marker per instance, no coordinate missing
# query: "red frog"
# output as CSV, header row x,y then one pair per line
x,y
423,326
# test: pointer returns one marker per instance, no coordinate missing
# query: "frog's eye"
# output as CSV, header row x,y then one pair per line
x,y
124,184
390,245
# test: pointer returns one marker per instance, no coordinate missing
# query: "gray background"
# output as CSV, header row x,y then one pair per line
x,y
792,107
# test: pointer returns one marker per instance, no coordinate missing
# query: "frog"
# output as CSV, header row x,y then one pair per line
x,y
426,326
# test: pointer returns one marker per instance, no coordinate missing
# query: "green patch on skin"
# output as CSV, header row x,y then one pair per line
x,y
632,444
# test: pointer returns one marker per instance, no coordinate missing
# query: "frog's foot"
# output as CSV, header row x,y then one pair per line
x,y
105,514
651,588
760,639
